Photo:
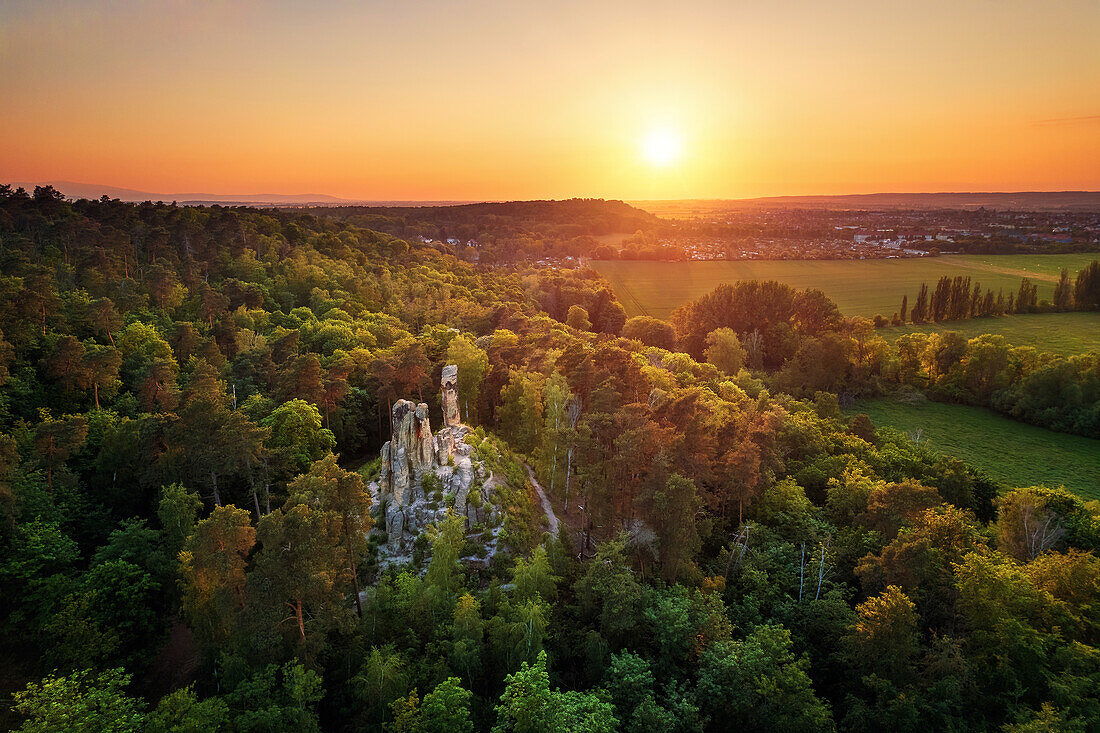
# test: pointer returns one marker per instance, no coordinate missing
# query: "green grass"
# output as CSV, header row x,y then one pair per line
x,y
858,287
1009,451
1057,333
1037,267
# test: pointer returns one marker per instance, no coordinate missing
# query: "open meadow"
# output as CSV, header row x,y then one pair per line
x,y
858,287
1014,453
1057,333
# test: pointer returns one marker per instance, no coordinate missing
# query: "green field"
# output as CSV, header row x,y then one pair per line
x,y
858,287
1057,333
1009,451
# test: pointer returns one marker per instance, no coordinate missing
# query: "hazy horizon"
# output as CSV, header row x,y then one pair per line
x,y
75,189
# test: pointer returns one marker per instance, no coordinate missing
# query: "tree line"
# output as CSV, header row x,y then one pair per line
x,y
954,298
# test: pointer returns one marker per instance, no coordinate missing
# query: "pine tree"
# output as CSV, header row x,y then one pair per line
x,y
212,567
343,499
1086,289
1063,292
920,312
299,576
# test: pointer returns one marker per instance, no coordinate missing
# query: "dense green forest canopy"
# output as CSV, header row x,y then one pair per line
x,y
506,231
190,399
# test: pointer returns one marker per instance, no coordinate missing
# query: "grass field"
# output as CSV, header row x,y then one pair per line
x,y
858,287
1009,451
1058,333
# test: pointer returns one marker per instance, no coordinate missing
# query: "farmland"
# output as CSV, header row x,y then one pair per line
x,y
1058,333
1011,452
859,287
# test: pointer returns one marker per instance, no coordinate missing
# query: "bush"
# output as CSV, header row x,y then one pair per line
x,y
371,469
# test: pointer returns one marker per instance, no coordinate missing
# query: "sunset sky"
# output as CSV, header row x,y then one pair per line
x,y
504,100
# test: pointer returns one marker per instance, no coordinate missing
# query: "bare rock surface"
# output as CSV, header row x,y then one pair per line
x,y
449,396
424,475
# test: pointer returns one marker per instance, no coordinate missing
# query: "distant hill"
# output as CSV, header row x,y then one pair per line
x,y
1023,200
94,190
566,218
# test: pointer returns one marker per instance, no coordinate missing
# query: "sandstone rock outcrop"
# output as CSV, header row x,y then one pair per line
x,y
410,451
449,397
414,454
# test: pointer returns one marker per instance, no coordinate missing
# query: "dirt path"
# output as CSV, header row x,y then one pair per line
x,y
545,501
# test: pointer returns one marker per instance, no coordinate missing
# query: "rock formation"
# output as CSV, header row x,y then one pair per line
x,y
414,453
449,397
409,453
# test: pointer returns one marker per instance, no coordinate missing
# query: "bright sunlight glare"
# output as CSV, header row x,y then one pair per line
x,y
661,147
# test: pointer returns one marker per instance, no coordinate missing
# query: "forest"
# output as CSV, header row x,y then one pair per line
x,y
192,405
804,344
505,232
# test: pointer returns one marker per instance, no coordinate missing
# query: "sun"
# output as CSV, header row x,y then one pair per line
x,y
661,147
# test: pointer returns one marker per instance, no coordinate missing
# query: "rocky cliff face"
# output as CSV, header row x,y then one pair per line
x,y
410,452
415,458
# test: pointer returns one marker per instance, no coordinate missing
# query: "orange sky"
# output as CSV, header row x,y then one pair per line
x,y
504,100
